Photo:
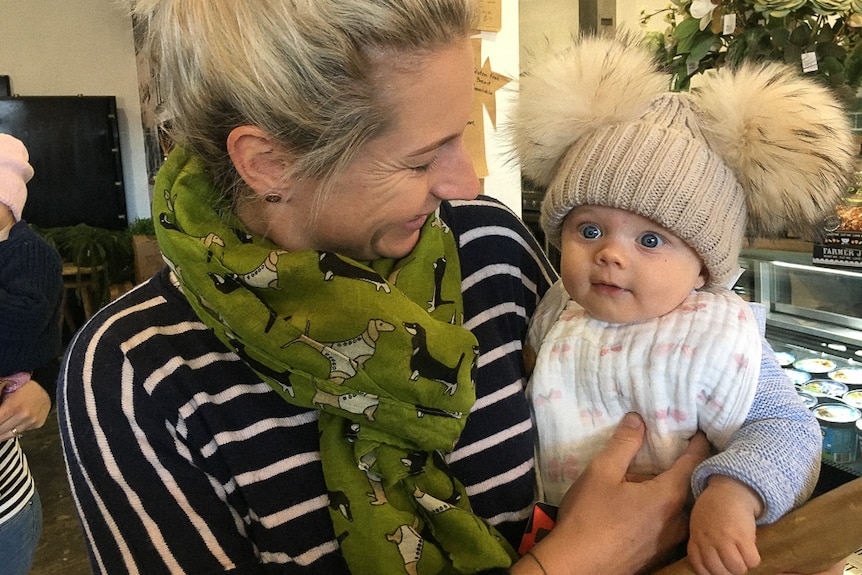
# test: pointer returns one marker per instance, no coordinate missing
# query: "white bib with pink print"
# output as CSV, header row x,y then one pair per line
x,y
694,368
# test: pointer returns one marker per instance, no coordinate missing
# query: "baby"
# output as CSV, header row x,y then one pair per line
x,y
649,195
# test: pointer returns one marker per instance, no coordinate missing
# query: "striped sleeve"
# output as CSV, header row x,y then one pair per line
x,y
16,482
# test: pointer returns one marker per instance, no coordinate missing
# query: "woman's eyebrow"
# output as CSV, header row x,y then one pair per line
x,y
433,146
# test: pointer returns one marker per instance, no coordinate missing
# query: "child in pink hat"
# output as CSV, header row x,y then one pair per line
x,y
31,292
15,172
19,291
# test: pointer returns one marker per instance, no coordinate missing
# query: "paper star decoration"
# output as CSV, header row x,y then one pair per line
x,y
485,86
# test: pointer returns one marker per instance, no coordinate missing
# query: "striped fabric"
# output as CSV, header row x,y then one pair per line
x,y
16,482
182,461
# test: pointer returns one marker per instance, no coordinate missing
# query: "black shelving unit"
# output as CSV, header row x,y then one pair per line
x,y
74,147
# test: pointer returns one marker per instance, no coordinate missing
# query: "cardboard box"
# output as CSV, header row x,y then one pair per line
x,y
148,257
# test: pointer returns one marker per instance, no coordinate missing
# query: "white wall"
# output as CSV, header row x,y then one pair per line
x,y
546,23
629,13
554,22
71,47
504,176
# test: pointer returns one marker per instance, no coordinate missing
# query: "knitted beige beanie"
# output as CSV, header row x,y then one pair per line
x,y
758,151
15,172
660,167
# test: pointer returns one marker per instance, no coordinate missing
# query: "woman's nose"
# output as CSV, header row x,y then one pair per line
x,y
455,177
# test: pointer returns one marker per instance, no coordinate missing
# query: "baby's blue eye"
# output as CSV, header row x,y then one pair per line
x,y
589,231
650,240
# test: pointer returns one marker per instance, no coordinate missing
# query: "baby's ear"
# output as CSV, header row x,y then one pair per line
x,y
529,359
702,278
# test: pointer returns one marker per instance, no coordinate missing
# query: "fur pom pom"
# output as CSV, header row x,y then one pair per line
x,y
786,138
596,82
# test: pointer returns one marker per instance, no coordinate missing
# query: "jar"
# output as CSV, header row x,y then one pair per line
x,y
838,426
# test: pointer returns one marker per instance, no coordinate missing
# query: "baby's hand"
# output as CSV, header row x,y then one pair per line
x,y
722,533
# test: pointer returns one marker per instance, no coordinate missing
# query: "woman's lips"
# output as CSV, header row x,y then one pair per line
x,y
416,223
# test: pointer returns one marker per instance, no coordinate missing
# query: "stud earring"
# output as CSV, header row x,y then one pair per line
x,y
272,198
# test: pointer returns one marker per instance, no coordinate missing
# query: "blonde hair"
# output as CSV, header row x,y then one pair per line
x,y
301,70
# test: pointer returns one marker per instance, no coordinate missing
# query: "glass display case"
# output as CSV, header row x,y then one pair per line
x,y
814,323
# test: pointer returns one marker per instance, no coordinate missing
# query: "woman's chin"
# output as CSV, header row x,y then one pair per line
x,y
396,248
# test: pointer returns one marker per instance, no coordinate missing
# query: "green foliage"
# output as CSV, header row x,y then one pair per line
x,y
106,253
142,227
765,30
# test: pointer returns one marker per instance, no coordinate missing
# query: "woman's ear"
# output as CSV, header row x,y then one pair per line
x,y
259,160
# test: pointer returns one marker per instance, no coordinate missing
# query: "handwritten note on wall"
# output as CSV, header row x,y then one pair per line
x,y
486,82
490,15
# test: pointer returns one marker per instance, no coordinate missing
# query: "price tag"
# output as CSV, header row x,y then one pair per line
x,y
809,62
728,23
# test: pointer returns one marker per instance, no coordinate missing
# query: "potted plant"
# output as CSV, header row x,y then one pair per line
x,y
103,256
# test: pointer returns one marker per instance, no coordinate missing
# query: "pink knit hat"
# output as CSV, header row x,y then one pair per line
x,y
15,172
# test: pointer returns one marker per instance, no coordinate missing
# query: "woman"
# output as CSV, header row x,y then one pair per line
x,y
292,395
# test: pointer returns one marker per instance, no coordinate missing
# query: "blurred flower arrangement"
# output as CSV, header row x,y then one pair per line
x,y
822,37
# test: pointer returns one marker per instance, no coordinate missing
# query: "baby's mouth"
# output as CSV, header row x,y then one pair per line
x,y
608,288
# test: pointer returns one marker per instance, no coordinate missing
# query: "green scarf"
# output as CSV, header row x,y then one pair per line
x,y
386,362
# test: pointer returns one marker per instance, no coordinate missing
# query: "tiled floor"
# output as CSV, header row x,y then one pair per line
x,y
61,549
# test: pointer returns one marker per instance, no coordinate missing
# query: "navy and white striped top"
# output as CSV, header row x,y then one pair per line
x,y
16,482
182,460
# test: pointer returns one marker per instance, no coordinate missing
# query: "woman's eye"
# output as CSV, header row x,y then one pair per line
x,y
589,231
650,240
425,167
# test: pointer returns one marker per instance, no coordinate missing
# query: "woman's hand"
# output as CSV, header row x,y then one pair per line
x,y
27,408
608,524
